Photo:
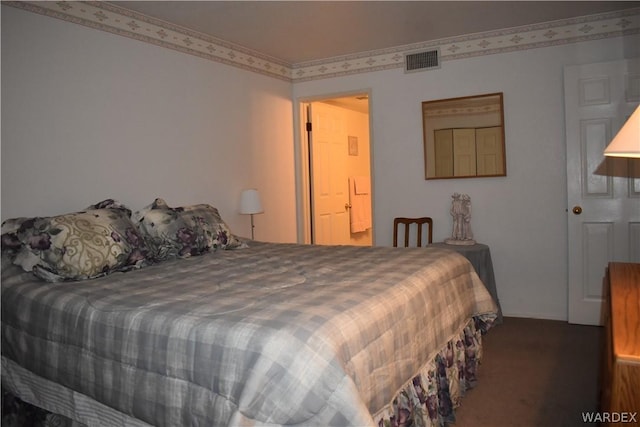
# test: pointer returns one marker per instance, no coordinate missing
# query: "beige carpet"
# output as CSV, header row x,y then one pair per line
x,y
535,373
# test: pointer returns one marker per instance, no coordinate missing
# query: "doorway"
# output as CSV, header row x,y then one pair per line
x,y
335,155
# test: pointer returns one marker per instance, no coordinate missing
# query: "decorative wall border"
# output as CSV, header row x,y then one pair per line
x,y
114,19
575,30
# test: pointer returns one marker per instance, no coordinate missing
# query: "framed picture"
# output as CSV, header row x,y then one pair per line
x,y
464,137
353,145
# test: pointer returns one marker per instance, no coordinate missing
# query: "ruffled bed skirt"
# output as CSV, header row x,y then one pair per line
x,y
431,397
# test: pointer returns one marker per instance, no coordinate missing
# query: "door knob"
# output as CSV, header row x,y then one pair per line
x,y
347,206
577,210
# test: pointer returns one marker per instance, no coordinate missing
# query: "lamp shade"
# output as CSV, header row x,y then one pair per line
x,y
627,142
250,202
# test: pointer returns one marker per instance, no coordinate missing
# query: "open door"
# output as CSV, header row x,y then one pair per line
x,y
329,175
337,143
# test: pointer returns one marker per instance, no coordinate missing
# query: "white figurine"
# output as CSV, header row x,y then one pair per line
x,y
461,213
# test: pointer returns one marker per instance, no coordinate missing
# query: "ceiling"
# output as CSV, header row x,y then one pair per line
x,y
300,31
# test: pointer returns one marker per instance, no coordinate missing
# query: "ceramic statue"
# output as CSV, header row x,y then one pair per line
x,y
461,213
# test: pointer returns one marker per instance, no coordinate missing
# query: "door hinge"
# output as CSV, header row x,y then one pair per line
x,y
308,126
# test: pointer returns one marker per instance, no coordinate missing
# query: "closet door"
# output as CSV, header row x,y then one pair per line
x,y
443,147
464,152
489,150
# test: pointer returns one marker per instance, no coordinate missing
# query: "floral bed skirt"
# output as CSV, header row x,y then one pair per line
x,y
430,398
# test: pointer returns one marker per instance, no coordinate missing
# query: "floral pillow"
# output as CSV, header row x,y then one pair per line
x,y
75,246
111,204
183,231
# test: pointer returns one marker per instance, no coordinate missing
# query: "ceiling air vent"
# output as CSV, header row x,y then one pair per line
x,y
419,61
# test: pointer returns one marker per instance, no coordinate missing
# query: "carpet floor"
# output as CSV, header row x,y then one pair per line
x,y
535,373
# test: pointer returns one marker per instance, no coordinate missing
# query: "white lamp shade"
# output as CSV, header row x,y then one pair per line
x,y
250,202
627,142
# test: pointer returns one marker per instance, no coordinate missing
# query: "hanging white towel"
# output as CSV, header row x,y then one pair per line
x,y
363,185
360,200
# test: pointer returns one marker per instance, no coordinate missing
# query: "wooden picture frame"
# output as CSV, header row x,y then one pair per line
x,y
353,145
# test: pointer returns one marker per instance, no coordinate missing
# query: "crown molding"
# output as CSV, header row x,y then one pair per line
x,y
116,20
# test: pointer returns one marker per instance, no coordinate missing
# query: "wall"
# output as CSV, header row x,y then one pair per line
x,y
88,115
522,216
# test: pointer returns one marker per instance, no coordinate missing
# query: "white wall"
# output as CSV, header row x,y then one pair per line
x,y
521,216
88,115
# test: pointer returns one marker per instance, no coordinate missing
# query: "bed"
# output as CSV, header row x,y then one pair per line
x,y
249,333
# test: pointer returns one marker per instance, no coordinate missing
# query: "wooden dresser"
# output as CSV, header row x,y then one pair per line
x,y
621,373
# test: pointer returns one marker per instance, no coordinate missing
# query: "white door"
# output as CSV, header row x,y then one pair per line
x,y
464,152
603,209
489,151
443,148
330,183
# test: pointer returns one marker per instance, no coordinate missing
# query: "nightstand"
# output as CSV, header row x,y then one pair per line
x,y
480,257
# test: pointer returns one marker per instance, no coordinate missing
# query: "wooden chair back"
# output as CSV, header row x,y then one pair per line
x,y
407,222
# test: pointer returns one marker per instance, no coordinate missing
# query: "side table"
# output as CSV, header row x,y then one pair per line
x,y
480,257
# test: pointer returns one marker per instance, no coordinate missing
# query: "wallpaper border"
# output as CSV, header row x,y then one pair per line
x,y
113,19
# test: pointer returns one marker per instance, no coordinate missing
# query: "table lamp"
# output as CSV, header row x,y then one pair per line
x,y
627,142
250,204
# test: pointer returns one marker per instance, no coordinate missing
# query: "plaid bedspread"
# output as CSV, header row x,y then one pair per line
x,y
273,334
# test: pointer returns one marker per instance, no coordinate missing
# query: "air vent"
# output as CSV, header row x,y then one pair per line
x,y
420,61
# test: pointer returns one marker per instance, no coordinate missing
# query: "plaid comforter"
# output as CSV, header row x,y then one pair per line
x,y
273,334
